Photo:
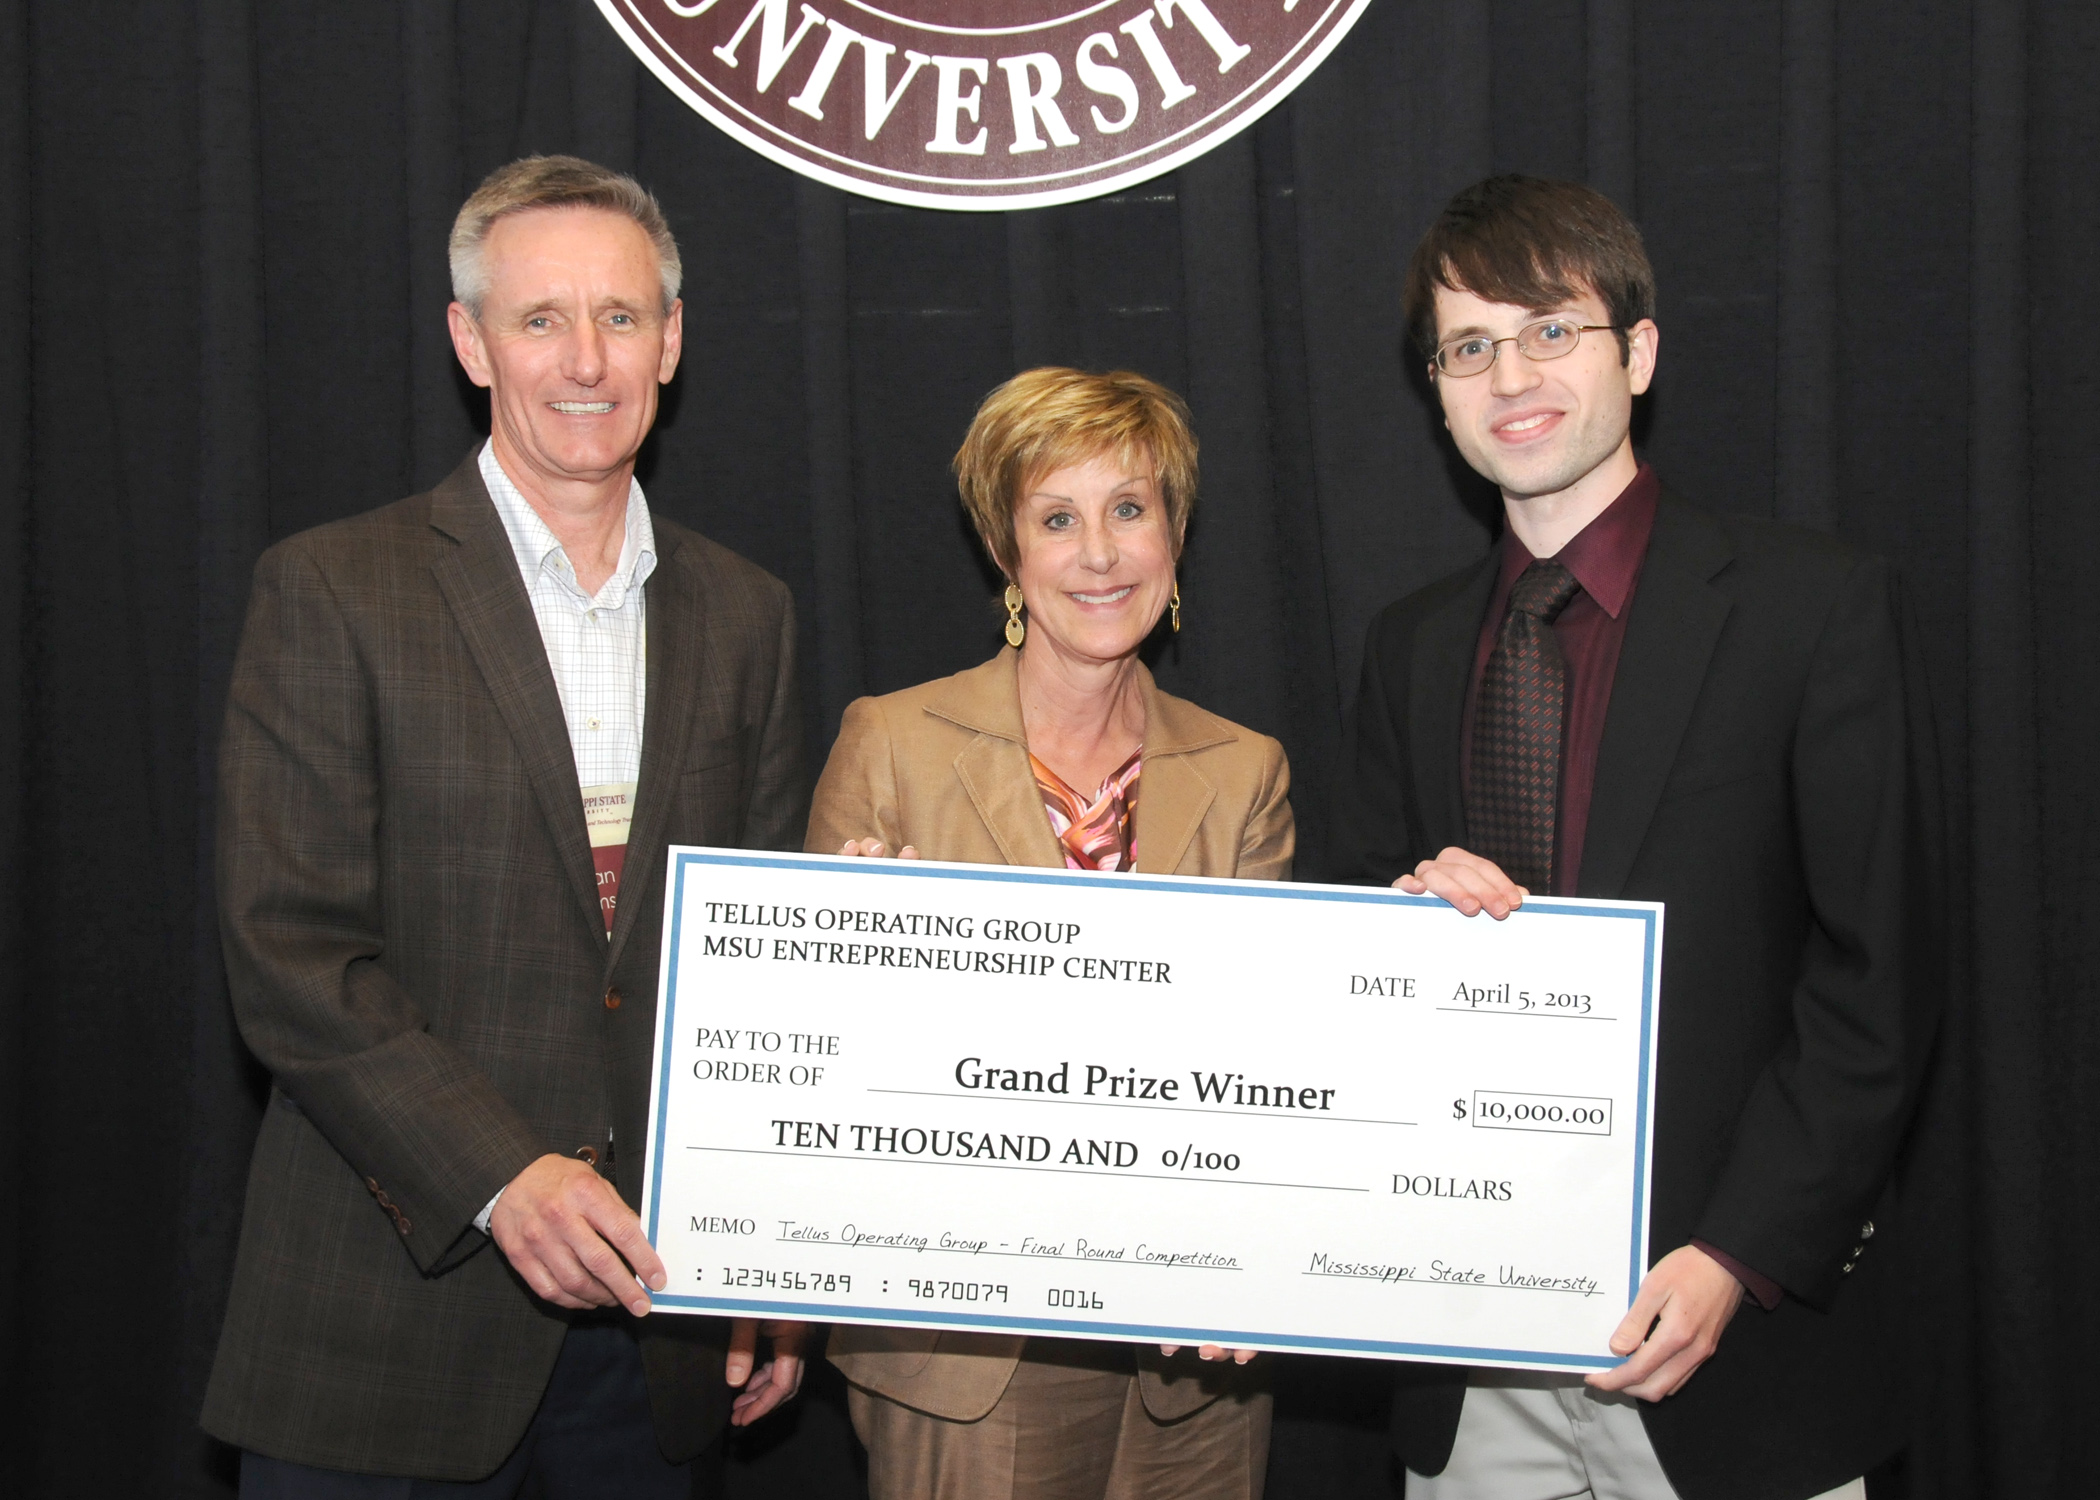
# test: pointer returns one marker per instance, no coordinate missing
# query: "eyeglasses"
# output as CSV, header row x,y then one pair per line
x,y
1549,338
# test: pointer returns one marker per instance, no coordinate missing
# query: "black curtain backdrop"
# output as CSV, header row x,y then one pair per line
x,y
222,291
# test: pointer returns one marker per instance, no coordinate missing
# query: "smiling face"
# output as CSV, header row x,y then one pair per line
x,y
572,343
1096,556
1542,428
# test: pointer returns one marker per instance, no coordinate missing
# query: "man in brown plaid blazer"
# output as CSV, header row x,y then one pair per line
x,y
457,1026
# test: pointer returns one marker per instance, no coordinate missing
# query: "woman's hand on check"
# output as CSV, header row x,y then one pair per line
x,y
875,849
1471,884
763,1386
1212,1351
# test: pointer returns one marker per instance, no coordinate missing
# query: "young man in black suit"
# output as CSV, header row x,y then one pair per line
x,y
1631,698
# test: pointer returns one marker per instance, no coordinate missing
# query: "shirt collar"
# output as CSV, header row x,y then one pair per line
x,y
539,551
1605,556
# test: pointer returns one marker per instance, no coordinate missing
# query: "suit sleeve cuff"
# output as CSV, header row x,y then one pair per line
x,y
1763,1290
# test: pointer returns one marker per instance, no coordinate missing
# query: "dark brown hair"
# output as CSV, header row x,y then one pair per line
x,y
1529,242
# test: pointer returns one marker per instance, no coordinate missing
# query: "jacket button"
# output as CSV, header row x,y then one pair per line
x,y
1847,1268
403,1225
1866,1230
587,1155
612,999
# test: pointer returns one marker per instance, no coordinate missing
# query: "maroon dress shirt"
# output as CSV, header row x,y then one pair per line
x,y
1605,558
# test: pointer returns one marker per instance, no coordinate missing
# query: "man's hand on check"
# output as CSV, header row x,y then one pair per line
x,y
875,849
1212,1351
574,1241
771,1383
1467,881
1688,1299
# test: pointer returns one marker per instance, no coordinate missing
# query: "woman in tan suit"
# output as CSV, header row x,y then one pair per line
x,y
1080,486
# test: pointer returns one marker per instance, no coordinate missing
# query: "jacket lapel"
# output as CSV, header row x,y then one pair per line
x,y
479,579
996,774
993,768
1002,786
677,627
1670,637
1445,644
1173,795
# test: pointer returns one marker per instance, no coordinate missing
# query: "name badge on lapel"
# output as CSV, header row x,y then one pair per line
x,y
608,812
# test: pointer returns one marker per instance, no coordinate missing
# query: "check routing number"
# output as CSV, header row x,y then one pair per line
x,y
1151,1108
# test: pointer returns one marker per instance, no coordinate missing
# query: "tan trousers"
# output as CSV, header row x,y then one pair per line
x,y
1070,1426
1523,1435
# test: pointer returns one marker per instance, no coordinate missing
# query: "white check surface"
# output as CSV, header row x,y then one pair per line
x,y
1292,1117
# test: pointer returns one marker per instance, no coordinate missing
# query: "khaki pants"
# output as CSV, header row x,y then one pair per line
x,y
1529,1436
1070,1426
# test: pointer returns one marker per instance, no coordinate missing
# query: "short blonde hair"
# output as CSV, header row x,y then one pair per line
x,y
1044,420
553,182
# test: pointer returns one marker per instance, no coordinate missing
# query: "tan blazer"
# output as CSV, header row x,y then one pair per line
x,y
944,766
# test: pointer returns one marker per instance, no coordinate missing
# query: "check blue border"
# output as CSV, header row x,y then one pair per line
x,y
684,859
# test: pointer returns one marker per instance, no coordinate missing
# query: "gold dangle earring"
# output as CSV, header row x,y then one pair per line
x,y
1016,632
1174,608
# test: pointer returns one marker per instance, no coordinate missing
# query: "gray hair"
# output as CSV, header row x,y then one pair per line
x,y
552,182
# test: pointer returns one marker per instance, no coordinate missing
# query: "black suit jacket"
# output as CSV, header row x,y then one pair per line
x,y
1762,773
416,952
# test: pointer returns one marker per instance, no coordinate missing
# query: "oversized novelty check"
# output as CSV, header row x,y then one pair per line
x,y
1168,1110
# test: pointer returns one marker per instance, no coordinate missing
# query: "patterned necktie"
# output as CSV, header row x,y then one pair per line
x,y
1513,795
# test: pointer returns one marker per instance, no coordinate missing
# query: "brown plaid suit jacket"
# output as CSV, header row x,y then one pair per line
x,y
416,952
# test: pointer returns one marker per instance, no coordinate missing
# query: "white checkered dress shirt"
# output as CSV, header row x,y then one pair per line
x,y
594,644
